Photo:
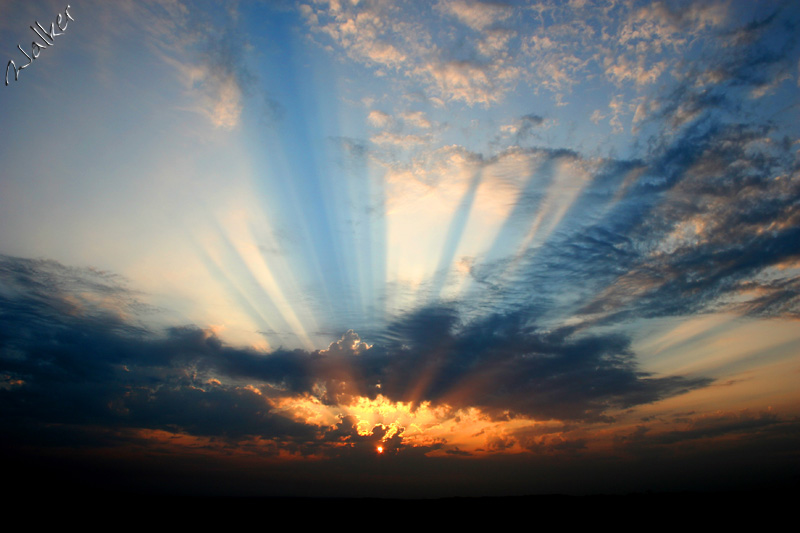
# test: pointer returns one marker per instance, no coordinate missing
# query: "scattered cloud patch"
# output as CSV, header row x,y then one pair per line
x,y
476,14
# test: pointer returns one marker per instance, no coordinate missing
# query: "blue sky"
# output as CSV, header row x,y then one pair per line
x,y
464,231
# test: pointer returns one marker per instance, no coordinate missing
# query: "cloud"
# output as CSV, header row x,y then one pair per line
x,y
718,424
476,52
727,216
699,224
207,57
462,80
536,260
416,119
72,338
362,30
505,363
379,119
349,344
704,221
555,63
476,14
86,366
623,70
731,436
662,25
742,62
496,43
771,297
525,127
386,35
402,141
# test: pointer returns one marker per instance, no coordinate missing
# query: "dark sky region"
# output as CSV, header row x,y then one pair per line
x,y
400,249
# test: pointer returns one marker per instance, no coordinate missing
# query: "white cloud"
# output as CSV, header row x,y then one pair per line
x,y
215,94
618,108
389,35
200,58
416,119
402,141
475,14
379,119
622,69
555,57
462,80
767,88
495,42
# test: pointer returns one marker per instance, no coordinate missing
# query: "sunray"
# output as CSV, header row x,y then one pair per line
x,y
229,286
540,174
564,189
454,235
248,286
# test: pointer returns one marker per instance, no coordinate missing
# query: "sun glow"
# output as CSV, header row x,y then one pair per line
x,y
440,427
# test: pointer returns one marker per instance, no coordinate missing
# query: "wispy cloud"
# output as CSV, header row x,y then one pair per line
x,y
205,54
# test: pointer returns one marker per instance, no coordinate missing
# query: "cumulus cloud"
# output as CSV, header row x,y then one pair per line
x,y
350,343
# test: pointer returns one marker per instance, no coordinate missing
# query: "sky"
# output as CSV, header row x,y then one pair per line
x,y
400,248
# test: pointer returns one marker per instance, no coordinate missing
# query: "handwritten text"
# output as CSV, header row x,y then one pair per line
x,y
37,48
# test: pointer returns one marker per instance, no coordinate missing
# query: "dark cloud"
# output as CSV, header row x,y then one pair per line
x,y
456,451
734,70
345,437
71,357
556,445
709,432
526,127
80,378
778,298
86,365
708,215
762,49
728,215
505,363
